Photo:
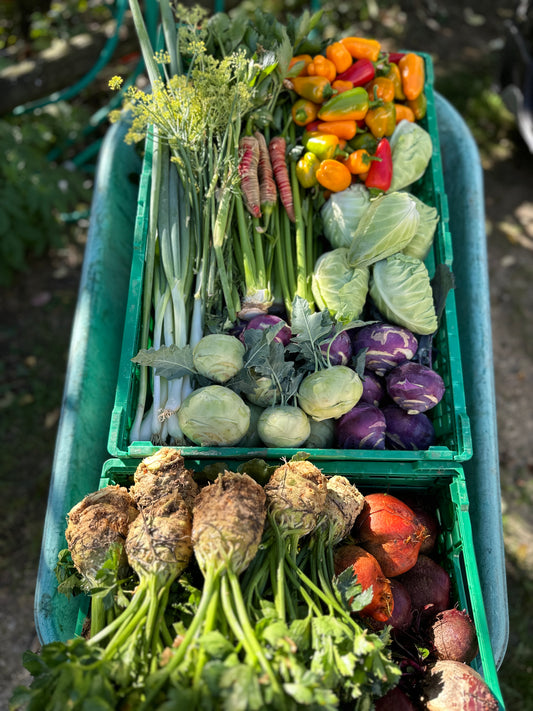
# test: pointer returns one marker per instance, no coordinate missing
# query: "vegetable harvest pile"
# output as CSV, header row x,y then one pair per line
x,y
284,225
269,587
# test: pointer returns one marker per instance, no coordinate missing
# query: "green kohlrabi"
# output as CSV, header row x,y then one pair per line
x,y
283,426
218,356
214,415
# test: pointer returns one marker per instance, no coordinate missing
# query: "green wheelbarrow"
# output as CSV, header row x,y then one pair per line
x,y
81,447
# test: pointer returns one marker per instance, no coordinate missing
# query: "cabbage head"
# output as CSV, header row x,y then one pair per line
x,y
422,240
387,227
411,148
330,392
401,290
341,214
338,287
214,416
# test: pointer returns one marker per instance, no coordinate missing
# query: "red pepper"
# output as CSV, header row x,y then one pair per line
x,y
380,172
395,57
361,72
312,126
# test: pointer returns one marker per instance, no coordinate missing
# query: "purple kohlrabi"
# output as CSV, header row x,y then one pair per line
x,y
386,346
406,431
363,427
415,387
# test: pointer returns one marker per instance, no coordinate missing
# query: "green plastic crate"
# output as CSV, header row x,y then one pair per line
x,y
450,418
455,547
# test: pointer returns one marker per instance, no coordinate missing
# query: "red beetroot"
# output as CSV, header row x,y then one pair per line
x,y
428,584
389,529
403,610
369,573
454,686
394,700
453,635
424,513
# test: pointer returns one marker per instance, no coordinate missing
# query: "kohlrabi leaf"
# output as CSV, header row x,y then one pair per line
x,y
169,362
309,330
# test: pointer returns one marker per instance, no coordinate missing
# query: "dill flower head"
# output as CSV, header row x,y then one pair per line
x,y
115,83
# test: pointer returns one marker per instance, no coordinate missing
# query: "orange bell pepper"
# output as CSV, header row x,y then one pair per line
x,y
303,60
340,85
362,48
345,129
393,74
339,55
321,66
333,175
404,112
381,120
304,111
315,88
380,88
412,71
418,106
358,162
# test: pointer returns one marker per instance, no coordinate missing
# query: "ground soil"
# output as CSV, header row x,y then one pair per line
x,y
37,312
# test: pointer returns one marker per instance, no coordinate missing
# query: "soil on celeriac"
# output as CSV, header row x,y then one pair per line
x,y
37,310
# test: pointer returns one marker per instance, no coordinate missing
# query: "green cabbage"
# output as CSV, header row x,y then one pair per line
x,y
338,287
341,214
411,148
401,290
421,243
386,227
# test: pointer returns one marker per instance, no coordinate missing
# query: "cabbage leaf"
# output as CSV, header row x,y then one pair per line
x,y
401,290
338,287
422,240
387,227
341,214
411,148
